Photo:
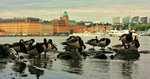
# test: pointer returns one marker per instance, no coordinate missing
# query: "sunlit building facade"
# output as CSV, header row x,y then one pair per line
x,y
24,26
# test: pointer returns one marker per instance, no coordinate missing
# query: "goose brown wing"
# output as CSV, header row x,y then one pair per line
x,y
129,37
91,40
122,36
15,44
32,47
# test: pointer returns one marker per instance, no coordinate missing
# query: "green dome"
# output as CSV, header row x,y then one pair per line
x,y
65,14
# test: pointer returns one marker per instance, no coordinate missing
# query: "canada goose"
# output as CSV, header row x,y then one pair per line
x,y
20,47
76,44
68,48
70,43
51,46
135,43
126,39
43,46
70,38
81,43
29,42
40,49
103,42
4,50
117,47
92,42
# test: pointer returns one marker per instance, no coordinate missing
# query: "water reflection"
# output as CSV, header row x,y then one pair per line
x,y
19,67
33,70
42,62
3,64
100,68
72,66
127,70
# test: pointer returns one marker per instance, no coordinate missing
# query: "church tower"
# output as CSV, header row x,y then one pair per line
x,y
65,17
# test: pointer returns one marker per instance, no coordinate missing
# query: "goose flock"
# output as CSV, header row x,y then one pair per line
x,y
71,44
27,47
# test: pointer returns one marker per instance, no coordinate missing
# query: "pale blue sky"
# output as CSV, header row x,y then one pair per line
x,y
94,10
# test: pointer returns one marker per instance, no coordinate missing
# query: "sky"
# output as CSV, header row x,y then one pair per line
x,y
79,10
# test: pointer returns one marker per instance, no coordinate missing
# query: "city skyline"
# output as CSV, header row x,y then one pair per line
x,y
79,10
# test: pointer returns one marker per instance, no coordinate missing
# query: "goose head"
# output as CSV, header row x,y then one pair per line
x,y
21,41
78,38
50,41
32,40
45,40
70,38
130,31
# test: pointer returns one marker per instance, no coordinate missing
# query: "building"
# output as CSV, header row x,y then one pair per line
x,y
65,17
65,26
126,20
116,20
99,28
23,26
47,28
144,20
136,19
72,22
102,28
86,23
59,26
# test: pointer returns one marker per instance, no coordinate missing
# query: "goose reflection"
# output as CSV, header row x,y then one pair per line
x,y
127,70
19,67
72,66
3,64
33,70
100,68
42,63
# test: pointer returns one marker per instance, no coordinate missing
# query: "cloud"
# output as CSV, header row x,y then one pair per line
x,y
77,9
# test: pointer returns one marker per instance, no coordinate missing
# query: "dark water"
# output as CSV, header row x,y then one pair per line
x,y
89,68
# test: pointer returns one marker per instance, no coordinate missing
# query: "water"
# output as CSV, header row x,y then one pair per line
x,y
89,68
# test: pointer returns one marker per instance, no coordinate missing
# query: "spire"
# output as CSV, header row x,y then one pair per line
x,y
65,14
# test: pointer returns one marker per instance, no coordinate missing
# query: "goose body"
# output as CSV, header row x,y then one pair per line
x,y
71,43
4,50
20,47
126,39
74,43
29,42
51,46
135,43
40,48
33,51
117,47
103,42
92,42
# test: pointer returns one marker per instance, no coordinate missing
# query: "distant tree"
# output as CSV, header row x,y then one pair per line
x,y
142,27
71,31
